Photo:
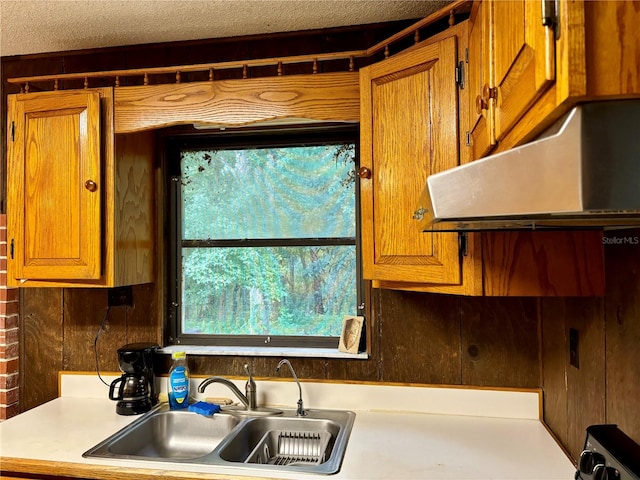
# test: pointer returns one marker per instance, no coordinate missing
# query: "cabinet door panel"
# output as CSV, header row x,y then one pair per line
x,y
523,59
54,214
481,111
409,129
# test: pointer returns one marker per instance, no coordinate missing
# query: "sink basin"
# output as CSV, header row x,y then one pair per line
x,y
312,444
165,434
315,443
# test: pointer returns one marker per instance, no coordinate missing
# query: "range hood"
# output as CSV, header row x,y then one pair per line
x,y
583,172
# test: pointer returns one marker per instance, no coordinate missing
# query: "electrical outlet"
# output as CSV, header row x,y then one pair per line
x,y
574,347
121,296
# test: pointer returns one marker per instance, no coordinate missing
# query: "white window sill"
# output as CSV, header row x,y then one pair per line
x,y
292,352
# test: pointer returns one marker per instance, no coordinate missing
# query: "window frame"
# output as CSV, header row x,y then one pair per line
x,y
247,139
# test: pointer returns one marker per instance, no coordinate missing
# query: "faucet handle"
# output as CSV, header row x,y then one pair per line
x,y
250,382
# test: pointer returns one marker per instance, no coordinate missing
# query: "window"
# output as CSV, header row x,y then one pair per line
x,y
264,245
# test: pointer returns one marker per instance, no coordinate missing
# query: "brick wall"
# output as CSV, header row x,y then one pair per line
x,y
9,341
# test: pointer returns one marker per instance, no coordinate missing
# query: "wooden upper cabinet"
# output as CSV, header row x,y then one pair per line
x,y
79,200
523,60
524,75
55,186
481,111
409,130
511,64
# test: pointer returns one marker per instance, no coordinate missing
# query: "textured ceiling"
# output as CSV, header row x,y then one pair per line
x,y
38,26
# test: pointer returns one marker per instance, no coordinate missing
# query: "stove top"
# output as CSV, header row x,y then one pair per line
x,y
609,454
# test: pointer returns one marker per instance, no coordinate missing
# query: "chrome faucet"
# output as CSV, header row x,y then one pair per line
x,y
301,411
250,389
248,400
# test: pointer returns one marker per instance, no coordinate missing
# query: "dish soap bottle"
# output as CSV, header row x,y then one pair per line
x,y
179,382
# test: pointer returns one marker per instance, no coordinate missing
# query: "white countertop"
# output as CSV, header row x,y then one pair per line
x,y
383,444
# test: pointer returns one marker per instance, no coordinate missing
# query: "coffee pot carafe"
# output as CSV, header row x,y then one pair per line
x,y
135,389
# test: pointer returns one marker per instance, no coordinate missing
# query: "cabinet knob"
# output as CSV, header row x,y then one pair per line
x,y
364,172
489,92
481,105
91,185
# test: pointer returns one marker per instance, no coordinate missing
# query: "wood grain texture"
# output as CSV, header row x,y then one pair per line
x,y
578,398
543,263
416,338
622,330
179,70
571,60
481,124
48,470
420,338
472,283
612,47
455,8
499,342
371,369
122,228
523,53
84,311
134,208
541,115
586,402
54,219
331,97
605,387
401,144
41,347
8,69
554,359
597,55
144,321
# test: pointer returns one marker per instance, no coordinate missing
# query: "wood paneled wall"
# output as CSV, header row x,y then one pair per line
x,y
415,337
58,328
605,387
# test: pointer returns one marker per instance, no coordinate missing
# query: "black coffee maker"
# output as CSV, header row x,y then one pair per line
x,y
136,392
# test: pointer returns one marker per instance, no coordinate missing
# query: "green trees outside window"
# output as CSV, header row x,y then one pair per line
x,y
268,240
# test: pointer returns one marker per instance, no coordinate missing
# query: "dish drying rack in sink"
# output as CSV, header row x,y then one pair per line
x,y
280,447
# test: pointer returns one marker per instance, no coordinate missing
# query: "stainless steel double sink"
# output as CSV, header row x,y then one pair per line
x,y
314,443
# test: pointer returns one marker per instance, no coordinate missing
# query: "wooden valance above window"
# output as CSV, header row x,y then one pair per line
x,y
322,97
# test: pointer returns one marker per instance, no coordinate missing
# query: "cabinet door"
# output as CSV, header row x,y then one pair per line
x,y
481,111
409,130
523,60
54,186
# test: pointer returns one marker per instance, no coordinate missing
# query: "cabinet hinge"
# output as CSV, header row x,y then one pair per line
x,y
460,74
550,9
11,249
463,244
467,139
13,131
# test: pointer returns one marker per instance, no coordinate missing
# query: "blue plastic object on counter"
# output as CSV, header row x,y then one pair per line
x,y
204,408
